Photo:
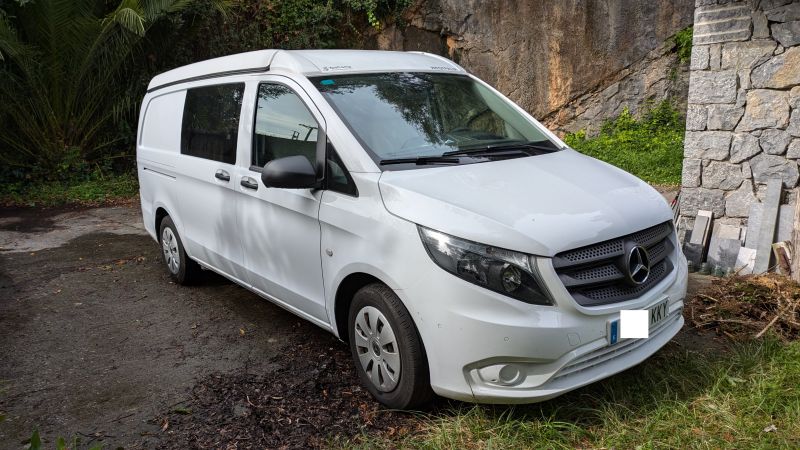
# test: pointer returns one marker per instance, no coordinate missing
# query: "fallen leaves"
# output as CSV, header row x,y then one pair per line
x,y
308,400
746,307
164,424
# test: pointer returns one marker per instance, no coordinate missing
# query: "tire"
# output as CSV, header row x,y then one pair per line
x,y
182,269
375,352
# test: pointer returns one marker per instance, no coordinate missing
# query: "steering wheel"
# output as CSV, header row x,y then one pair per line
x,y
478,114
472,118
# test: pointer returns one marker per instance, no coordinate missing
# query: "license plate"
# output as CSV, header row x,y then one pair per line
x,y
658,313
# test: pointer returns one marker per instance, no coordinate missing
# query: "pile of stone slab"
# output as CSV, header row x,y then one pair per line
x,y
764,244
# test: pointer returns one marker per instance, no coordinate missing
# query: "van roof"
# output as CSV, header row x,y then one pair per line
x,y
307,62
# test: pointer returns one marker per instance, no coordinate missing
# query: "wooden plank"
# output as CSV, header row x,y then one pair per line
x,y
769,221
783,256
796,237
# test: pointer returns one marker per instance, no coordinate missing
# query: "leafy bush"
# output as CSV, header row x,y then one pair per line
x,y
63,80
683,44
247,26
72,72
90,190
650,148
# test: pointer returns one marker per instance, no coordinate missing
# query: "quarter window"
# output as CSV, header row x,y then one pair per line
x,y
283,127
211,122
337,177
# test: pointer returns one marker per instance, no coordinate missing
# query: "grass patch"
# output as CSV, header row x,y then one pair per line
x,y
95,189
650,148
677,399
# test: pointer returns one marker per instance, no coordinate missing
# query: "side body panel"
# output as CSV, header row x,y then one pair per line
x,y
279,228
157,155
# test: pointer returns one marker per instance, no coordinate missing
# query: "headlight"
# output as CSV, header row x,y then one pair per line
x,y
507,272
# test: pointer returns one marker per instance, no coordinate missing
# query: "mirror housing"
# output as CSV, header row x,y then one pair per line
x,y
290,172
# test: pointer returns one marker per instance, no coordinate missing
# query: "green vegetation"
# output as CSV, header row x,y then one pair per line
x,y
747,397
94,189
683,44
73,73
650,148
63,79
35,443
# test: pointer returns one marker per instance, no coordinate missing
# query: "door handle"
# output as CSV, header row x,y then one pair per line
x,y
222,175
249,183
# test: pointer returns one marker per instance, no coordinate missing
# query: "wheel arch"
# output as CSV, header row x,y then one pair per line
x,y
161,212
344,296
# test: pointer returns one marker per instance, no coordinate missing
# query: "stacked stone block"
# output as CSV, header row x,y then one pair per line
x,y
743,113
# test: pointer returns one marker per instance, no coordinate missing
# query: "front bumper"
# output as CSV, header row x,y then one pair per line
x,y
485,347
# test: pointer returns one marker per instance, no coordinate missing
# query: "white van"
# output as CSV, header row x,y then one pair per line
x,y
457,245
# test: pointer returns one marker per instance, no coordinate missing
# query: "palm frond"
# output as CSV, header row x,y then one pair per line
x,y
129,15
62,77
155,9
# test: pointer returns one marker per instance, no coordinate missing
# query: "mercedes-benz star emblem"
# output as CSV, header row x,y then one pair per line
x,y
638,265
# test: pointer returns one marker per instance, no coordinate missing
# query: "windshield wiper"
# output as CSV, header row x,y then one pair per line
x,y
520,146
421,160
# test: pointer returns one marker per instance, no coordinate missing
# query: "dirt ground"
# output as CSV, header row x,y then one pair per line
x,y
96,342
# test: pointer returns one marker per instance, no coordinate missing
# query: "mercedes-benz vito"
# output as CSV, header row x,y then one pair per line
x,y
457,246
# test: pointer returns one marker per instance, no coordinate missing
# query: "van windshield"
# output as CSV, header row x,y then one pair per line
x,y
410,119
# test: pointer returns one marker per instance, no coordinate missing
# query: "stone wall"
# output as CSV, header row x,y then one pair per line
x,y
743,116
571,63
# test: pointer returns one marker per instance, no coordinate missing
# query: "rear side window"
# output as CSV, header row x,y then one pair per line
x,y
211,122
284,126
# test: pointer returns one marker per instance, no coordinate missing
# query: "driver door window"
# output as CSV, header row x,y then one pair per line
x,y
283,126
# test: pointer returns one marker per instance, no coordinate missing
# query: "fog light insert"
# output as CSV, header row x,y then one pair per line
x,y
501,374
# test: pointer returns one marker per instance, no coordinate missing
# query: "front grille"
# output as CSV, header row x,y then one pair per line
x,y
596,274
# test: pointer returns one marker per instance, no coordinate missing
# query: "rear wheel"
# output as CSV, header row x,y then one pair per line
x,y
181,268
387,350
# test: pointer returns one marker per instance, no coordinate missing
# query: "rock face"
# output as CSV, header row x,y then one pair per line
x,y
743,114
570,63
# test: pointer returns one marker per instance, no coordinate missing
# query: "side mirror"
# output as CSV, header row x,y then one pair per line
x,y
290,172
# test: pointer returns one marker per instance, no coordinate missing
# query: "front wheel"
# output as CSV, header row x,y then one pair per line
x,y
388,352
181,268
